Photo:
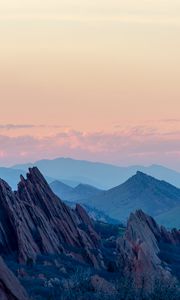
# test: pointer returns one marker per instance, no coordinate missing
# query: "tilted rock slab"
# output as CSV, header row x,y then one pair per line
x,y
138,250
35,221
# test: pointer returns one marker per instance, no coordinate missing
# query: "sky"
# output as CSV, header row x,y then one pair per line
x,y
96,80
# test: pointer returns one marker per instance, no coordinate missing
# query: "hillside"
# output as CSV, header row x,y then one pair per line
x,y
78,194
141,191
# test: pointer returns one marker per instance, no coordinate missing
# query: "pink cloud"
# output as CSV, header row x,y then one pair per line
x,y
136,145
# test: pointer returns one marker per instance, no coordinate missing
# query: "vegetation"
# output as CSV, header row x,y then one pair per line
x,y
56,277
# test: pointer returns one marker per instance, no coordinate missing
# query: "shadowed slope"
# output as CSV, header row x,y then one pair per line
x,y
139,192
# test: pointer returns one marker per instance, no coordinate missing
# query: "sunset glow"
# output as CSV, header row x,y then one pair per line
x,y
96,80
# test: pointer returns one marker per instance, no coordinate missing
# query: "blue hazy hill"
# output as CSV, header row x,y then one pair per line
x,y
100,175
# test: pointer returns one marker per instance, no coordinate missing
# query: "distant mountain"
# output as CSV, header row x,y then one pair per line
x,y
148,193
62,190
141,191
81,194
103,176
72,172
78,194
11,175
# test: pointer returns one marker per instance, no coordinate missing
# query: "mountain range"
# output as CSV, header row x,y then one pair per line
x,y
115,203
102,176
141,191
76,194
51,251
80,194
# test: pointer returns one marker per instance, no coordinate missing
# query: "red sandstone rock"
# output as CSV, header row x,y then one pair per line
x,y
40,222
138,251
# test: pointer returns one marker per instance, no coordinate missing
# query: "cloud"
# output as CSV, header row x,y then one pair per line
x,y
138,145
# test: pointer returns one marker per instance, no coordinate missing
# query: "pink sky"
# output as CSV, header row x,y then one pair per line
x,y
98,80
152,142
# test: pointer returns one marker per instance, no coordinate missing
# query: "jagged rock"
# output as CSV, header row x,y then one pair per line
x,y
83,215
139,249
41,223
10,288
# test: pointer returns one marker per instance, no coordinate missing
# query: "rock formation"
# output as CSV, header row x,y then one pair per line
x,y
139,250
35,221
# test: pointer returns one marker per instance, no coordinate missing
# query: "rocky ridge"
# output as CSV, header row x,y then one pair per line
x,y
40,222
140,248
